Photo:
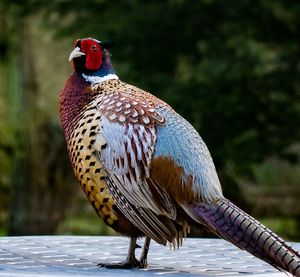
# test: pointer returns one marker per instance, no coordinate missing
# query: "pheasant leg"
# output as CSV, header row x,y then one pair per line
x,y
131,261
143,257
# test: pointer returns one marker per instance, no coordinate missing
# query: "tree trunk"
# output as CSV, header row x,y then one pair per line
x,y
39,184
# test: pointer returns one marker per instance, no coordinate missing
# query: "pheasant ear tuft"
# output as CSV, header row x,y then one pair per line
x,y
77,42
107,44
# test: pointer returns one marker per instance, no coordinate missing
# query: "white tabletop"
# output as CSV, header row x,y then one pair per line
x,y
79,255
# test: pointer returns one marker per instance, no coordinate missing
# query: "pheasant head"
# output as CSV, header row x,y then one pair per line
x,y
91,58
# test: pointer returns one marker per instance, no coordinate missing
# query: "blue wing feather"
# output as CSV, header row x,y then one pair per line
x,y
180,141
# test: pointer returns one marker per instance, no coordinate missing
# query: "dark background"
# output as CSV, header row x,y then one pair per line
x,y
230,67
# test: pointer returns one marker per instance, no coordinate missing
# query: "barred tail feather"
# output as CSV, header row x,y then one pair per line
x,y
233,224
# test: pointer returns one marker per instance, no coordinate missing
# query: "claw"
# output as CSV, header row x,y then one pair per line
x,y
131,261
124,265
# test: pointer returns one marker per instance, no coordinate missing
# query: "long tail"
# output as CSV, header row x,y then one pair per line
x,y
233,224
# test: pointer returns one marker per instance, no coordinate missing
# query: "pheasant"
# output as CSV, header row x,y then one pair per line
x,y
145,169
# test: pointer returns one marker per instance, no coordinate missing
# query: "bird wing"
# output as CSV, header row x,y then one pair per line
x,y
125,146
127,158
190,158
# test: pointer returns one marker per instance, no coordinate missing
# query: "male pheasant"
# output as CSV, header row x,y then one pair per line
x,y
145,169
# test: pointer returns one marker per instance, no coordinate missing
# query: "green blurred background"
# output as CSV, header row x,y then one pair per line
x,y
232,68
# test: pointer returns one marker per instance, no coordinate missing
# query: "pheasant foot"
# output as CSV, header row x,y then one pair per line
x,y
127,264
131,261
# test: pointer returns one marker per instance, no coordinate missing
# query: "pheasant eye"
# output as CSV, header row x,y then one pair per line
x,y
94,47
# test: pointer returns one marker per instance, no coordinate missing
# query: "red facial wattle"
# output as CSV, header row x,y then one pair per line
x,y
93,53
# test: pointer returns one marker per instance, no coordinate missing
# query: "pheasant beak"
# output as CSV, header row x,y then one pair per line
x,y
75,54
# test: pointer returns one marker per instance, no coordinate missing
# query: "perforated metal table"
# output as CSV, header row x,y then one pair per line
x,y
79,255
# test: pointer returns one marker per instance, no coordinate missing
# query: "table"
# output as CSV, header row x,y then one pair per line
x,y
76,256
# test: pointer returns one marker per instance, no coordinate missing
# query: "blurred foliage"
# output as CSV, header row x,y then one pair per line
x,y
81,219
288,227
230,67
275,172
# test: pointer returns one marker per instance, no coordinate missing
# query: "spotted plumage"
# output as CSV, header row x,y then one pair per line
x,y
87,169
145,169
